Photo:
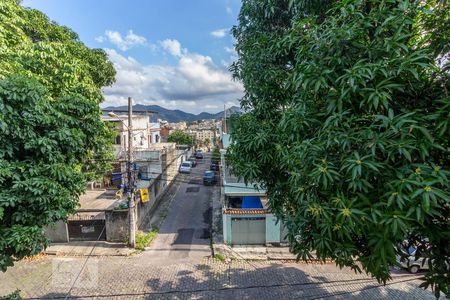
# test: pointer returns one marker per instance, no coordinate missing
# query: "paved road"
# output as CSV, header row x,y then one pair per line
x,y
185,233
175,268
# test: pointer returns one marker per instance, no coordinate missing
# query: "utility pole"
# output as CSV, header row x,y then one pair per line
x,y
132,233
224,119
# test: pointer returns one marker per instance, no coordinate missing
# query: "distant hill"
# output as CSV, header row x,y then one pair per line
x,y
176,115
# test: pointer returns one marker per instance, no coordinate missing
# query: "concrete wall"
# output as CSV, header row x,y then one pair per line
x,y
116,223
159,186
57,233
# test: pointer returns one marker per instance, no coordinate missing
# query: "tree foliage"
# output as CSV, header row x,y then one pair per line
x,y
181,138
348,107
50,126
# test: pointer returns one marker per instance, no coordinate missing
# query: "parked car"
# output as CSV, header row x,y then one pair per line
x,y
209,178
186,167
199,154
408,259
412,265
193,160
214,167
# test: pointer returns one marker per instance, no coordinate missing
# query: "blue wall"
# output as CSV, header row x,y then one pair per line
x,y
272,229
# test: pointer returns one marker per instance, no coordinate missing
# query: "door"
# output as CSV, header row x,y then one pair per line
x,y
248,231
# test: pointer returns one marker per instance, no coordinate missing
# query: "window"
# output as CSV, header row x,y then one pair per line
x,y
118,140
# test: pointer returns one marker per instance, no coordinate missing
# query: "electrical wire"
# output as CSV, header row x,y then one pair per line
x,y
349,281
159,178
85,262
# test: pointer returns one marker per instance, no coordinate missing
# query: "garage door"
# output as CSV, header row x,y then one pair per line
x,y
248,231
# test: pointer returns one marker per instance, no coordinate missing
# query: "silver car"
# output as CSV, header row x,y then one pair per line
x,y
186,167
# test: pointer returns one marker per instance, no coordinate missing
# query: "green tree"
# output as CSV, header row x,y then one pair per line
x,y
348,107
51,134
181,138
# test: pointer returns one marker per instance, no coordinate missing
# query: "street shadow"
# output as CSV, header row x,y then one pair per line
x,y
253,280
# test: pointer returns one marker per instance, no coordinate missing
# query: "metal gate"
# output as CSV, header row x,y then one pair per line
x,y
248,231
87,227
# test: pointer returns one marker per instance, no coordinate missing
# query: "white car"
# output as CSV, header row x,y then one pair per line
x,y
410,262
186,167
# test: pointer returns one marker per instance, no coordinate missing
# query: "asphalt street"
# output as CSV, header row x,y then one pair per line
x,y
186,231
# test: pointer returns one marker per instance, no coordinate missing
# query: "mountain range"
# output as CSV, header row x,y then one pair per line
x,y
176,115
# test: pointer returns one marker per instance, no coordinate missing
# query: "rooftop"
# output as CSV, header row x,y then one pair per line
x,y
98,200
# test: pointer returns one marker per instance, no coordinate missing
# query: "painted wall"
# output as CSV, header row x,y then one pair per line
x,y
272,229
226,229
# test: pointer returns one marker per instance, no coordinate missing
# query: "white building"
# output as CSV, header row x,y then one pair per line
x,y
145,133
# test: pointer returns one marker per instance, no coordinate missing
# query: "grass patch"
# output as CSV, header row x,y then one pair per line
x,y
144,239
219,257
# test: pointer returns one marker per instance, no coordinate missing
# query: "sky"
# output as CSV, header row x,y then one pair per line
x,y
173,53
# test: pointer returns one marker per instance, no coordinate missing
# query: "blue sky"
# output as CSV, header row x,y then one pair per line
x,y
173,53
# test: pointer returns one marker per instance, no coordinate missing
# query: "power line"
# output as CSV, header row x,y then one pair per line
x,y
85,262
349,281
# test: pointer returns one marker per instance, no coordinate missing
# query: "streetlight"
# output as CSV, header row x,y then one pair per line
x,y
131,204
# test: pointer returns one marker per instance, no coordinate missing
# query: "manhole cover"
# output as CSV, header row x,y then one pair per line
x,y
192,189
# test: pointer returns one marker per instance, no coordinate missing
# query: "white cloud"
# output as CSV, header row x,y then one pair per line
x,y
172,46
100,39
219,33
195,84
122,42
231,50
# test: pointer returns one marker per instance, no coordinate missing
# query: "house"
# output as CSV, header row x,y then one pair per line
x,y
145,133
245,214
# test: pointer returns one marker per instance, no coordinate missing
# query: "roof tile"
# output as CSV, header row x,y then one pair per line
x,y
240,211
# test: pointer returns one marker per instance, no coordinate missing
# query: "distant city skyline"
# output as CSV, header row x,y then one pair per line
x,y
170,53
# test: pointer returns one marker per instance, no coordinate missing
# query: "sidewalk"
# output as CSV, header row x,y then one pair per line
x,y
92,248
